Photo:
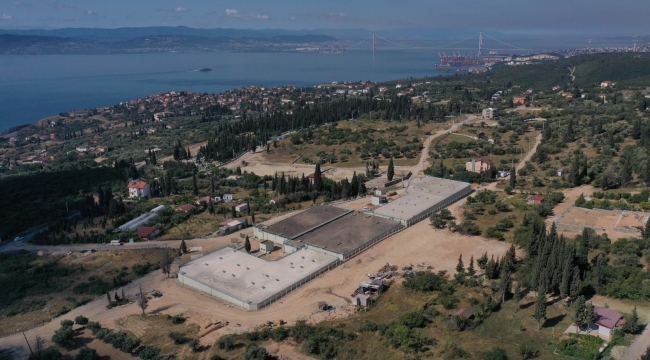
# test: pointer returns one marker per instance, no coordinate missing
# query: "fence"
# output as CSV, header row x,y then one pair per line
x,y
375,240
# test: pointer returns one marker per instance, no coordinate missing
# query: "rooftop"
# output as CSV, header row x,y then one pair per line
x,y
422,193
250,278
346,233
306,220
608,318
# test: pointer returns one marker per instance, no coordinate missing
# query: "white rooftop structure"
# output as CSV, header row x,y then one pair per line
x,y
249,281
423,197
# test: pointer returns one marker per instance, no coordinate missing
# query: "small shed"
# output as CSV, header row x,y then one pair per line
x,y
362,300
227,197
560,172
267,246
241,207
464,313
536,199
378,200
380,191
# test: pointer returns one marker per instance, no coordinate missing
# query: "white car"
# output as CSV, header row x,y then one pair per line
x,y
365,208
18,238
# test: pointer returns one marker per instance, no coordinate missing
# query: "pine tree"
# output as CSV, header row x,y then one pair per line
x,y
505,282
470,270
540,308
183,247
460,267
516,296
391,170
574,289
247,244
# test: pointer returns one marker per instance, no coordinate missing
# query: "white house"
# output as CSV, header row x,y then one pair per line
x,y
227,197
241,207
489,113
139,189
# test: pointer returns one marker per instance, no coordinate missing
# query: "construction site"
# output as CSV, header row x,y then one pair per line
x,y
314,241
616,223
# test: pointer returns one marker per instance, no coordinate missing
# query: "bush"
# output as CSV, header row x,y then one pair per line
x,y
226,343
94,327
425,281
67,322
195,344
280,333
176,319
141,269
130,344
64,336
50,353
496,354
87,354
254,352
493,233
81,320
448,301
149,353
216,357
177,337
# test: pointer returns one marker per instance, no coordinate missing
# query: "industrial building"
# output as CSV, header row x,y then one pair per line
x,y
423,197
250,282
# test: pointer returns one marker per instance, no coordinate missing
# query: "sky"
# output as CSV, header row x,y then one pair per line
x,y
630,17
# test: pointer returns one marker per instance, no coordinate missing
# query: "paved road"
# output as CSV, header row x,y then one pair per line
x,y
12,247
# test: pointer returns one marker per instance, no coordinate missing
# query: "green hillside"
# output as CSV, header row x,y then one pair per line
x,y
623,68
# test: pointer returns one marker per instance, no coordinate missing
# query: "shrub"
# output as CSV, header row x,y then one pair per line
x,y
130,344
280,333
195,344
149,353
178,337
496,354
50,353
67,322
93,326
493,233
176,319
81,320
254,352
226,343
64,336
448,301
87,354
425,281
216,357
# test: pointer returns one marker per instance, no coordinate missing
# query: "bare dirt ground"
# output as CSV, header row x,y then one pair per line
x,y
417,244
587,217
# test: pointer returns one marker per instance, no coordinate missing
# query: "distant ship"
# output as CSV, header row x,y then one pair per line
x,y
205,69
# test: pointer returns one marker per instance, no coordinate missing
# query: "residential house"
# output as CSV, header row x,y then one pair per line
x,y
606,84
229,226
536,199
147,232
464,313
478,165
187,208
608,320
139,189
519,100
227,197
205,199
490,113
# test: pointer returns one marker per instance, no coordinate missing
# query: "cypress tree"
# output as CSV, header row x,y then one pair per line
x,y
506,281
626,173
183,247
574,288
195,187
540,308
578,314
318,180
460,267
513,177
470,270
391,170
247,244
516,296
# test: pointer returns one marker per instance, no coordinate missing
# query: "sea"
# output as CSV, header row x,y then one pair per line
x,y
34,87
38,86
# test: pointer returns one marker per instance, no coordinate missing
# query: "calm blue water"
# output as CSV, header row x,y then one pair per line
x,y
34,87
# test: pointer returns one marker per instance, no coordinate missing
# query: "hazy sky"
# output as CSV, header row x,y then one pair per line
x,y
623,16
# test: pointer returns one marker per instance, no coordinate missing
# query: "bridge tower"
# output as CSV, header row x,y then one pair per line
x,y
374,40
480,44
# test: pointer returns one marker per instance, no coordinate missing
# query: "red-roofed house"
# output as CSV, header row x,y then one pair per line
x,y
277,199
148,232
607,320
519,100
536,199
205,199
187,208
139,189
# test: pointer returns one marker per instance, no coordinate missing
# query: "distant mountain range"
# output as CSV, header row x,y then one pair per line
x,y
85,43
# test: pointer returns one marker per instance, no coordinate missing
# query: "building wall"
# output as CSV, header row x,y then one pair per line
x,y
263,235
187,281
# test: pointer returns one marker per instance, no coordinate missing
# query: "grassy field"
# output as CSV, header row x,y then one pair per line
x,y
42,287
345,142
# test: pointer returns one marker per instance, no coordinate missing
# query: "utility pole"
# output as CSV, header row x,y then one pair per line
x,y
30,347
